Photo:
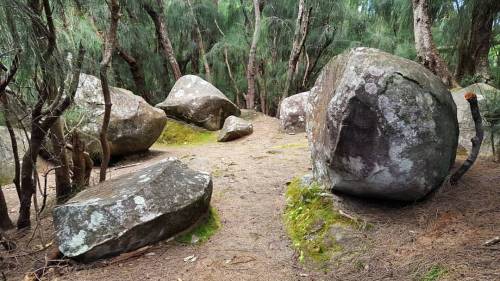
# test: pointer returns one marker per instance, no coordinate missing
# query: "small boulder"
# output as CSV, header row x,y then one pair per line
x,y
484,93
134,124
7,164
293,113
196,101
235,128
381,126
132,211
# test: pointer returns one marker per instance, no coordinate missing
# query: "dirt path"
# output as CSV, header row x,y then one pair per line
x,y
446,231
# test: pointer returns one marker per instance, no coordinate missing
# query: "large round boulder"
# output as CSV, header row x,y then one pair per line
x,y
134,125
7,163
293,113
380,126
132,211
196,101
486,94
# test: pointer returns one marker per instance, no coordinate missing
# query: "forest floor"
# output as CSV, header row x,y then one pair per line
x,y
440,238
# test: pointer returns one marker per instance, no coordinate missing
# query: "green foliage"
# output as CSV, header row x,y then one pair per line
x,y
202,232
180,133
434,273
309,216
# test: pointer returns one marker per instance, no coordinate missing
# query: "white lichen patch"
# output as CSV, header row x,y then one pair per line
x,y
76,244
96,220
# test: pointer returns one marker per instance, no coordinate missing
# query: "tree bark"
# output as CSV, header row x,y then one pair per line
x,y
476,140
63,180
201,45
5,222
301,29
427,53
252,57
137,74
13,142
476,42
231,77
163,38
109,47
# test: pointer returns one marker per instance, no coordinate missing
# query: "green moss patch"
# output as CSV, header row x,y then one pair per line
x,y
310,218
434,273
180,133
202,232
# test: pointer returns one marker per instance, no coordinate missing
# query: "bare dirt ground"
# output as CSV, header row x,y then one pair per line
x,y
447,230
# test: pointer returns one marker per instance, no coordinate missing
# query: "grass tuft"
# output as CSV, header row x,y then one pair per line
x,y
434,273
180,133
309,218
203,231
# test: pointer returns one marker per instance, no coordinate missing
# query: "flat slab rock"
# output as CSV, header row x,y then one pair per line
x,y
235,128
381,126
132,211
196,101
293,113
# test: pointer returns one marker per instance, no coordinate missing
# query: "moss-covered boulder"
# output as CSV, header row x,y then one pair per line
x,y
131,211
196,101
381,126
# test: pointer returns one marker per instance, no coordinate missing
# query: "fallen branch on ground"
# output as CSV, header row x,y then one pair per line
x,y
476,140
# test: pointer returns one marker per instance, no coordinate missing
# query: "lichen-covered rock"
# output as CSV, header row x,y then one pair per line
x,y
235,128
134,124
293,113
132,211
7,165
484,93
196,101
380,126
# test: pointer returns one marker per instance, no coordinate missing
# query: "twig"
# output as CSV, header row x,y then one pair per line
x,y
493,241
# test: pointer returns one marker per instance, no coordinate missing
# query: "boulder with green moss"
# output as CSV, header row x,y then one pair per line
x,y
489,103
132,211
134,124
196,101
381,126
234,128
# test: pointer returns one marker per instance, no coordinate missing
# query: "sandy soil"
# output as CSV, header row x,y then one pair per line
x,y
448,229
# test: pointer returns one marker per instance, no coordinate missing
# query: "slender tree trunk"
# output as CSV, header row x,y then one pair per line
x,y
231,77
163,38
201,45
475,44
13,142
427,53
252,57
137,74
109,46
63,180
5,222
301,29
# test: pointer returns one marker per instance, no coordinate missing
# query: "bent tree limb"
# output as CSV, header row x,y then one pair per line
x,y
476,140
109,46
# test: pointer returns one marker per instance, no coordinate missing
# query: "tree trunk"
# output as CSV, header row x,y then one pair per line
x,y
301,28
63,180
201,45
109,46
475,44
5,222
137,74
13,142
163,38
252,56
231,77
427,53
